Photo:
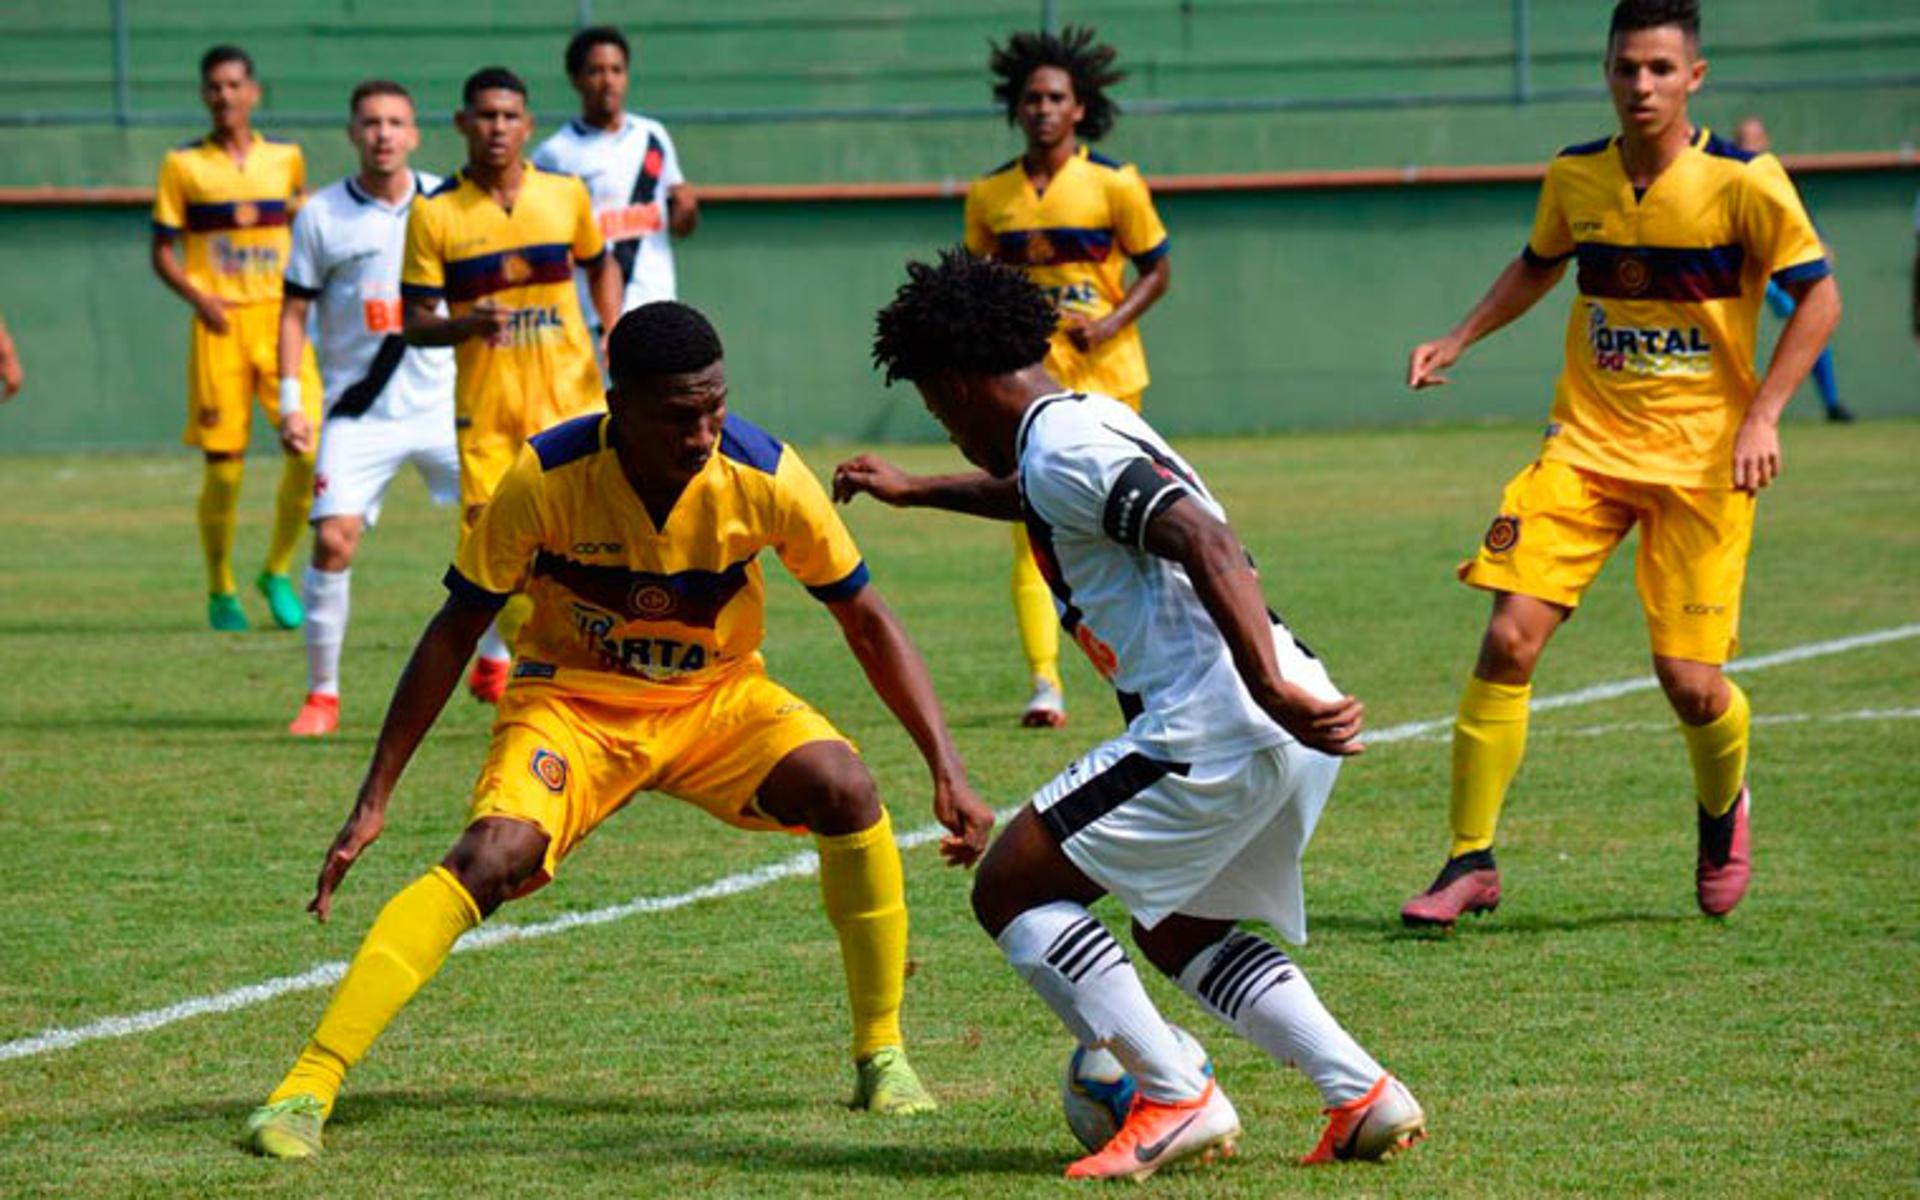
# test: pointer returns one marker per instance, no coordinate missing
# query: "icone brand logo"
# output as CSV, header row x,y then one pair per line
x,y
1655,350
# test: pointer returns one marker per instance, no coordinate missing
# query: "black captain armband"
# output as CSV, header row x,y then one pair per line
x,y
1144,490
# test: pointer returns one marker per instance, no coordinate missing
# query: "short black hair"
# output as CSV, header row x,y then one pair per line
x,y
376,87
1074,51
489,79
665,337
594,35
221,55
1630,16
963,313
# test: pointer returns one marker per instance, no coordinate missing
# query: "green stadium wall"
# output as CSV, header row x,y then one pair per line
x,y
1289,309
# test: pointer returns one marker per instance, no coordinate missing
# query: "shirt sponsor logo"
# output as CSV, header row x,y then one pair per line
x,y
630,222
235,259
1663,351
655,659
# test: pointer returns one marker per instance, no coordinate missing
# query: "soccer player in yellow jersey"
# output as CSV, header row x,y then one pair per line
x,y
636,534
1659,420
229,197
1072,219
498,242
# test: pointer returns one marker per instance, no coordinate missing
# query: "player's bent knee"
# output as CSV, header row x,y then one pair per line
x,y
824,787
334,541
494,858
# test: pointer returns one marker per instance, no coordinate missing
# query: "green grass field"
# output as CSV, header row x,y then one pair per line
x,y
159,836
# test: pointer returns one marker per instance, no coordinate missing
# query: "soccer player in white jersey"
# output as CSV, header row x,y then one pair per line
x,y
1196,816
388,404
629,165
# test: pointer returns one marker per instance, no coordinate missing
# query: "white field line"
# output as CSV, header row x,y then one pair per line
x,y
799,865
1595,731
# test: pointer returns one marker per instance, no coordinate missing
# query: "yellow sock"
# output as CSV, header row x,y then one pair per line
x,y
409,940
1489,738
865,897
1719,753
1033,611
219,508
290,510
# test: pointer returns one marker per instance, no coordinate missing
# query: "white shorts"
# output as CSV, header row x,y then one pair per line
x,y
359,456
1219,839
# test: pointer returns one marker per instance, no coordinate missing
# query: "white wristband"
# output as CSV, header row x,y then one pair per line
x,y
291,395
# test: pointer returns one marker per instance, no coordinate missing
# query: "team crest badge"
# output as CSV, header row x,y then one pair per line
x,y
650,600
1503,535
514,269
246,215
1039,248
1633,275
550,769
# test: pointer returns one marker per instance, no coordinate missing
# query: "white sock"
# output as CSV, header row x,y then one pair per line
x,y
493,646
1089,982
1262,995
325,595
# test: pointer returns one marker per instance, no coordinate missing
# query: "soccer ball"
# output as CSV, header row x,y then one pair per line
x,y
1096,1091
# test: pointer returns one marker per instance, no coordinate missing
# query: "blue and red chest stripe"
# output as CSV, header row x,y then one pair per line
x,y
1681,273
241,214
1053,247
469,279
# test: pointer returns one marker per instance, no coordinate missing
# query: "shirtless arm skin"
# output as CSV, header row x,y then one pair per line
x,y
211,310
899,677
1517,289
1225,581
974,493
1147,288
1756,447
429,678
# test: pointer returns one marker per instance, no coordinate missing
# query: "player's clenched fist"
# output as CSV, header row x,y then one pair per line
x,y
873,475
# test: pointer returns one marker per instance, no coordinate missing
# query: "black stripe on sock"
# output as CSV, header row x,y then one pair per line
x,y
1076,965
1236,947
1125,779
1274,981
1066,943
1109,957
1261,967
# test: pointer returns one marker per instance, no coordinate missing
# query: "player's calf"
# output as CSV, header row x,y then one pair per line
x,y
495,858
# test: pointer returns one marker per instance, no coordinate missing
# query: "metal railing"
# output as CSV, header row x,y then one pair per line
x,y
1521,90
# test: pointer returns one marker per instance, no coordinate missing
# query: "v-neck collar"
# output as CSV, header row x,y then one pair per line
x,y
1640,195
1040,194
655,526
526,176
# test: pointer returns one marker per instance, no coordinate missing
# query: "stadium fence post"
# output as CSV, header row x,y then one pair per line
x,y
1522,51
122,66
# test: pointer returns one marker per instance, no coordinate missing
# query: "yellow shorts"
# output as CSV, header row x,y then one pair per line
x,y
1558,525
225,370
565,764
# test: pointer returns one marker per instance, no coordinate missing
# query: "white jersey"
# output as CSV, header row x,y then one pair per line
x,y
628,174
347,251
1092,475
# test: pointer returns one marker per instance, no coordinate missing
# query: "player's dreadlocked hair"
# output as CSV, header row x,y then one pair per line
x,y
1632,15
662,338
1074,51
966,314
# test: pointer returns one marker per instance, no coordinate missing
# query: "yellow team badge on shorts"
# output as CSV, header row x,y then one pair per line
x,y
550,769
1503,535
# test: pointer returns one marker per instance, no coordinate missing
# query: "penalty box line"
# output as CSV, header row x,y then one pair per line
x,y
799,865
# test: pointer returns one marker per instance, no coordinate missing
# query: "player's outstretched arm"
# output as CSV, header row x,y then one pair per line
x,y
1517,289
1756,447
1224,579
424,327
429,678
975,493
899,677
683,210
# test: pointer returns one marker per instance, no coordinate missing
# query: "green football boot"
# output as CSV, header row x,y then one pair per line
x,y
887,1085
288,612
225,614
287,1129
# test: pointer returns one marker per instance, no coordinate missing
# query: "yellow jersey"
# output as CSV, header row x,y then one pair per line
x,y
234,217
464,248
1074,241
1660,342
627,612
